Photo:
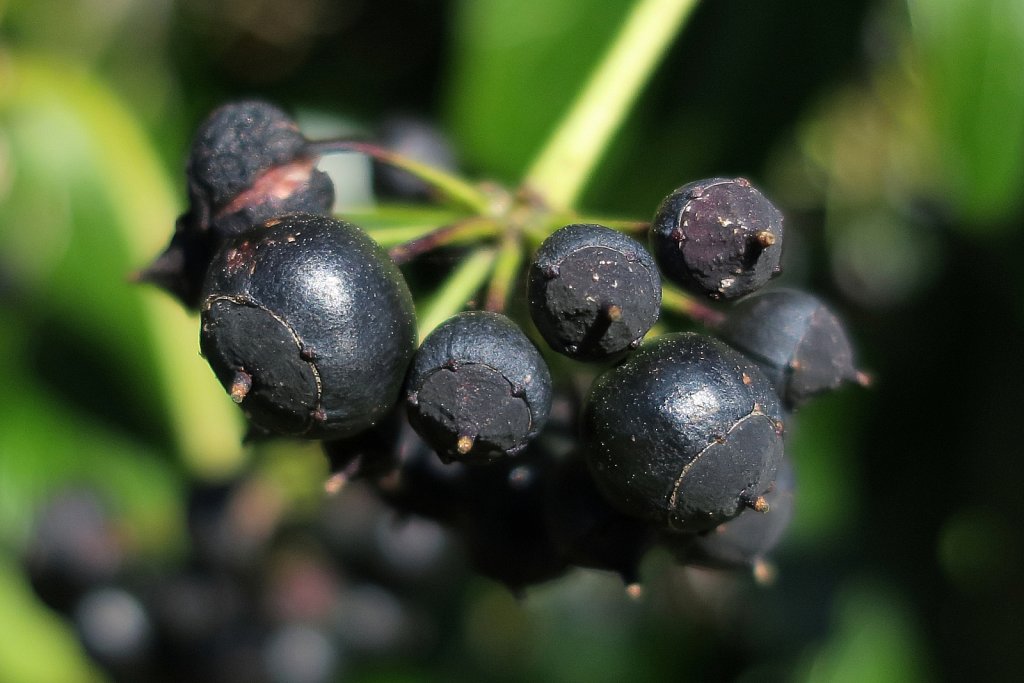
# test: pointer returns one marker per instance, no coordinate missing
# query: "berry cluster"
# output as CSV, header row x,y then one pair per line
x,y
679,441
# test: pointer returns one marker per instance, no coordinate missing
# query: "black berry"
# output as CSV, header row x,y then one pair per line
x,y
593,292
744,542
718,237
308,325
248,163
685,433
478,388
798,342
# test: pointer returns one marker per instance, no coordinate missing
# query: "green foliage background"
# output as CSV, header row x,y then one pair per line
x,y
890,132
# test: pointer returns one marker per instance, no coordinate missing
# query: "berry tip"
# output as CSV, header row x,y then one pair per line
x,y
240,386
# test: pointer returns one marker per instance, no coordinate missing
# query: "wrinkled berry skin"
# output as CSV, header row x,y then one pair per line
x,y
248,163
478,388
719,238
798,342
593,292
742,542
684,433
312,314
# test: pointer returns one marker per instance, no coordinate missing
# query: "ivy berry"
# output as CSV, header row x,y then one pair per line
x,y
718,238
248,163
308,325
685,433
478,388
593,292
798,342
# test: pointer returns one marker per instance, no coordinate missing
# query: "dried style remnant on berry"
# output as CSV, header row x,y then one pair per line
x,y
248,163
798,342
309,326
686,433
593,292
478,388
719,238
744,542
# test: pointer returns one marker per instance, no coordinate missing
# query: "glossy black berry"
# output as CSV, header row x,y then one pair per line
x,y
308,325
593,292
719,238
685,433
744,542
248,163
798,342
478,388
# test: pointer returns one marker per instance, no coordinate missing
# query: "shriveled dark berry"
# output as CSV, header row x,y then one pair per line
x,y
478,388
587,529
593,292
248,163
798,342
685,433
250,153
309,326
719,238
744,542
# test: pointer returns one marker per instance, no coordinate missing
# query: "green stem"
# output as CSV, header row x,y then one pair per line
x,y
679,302
456,291
568,158
467,230
393,236
505,271
637,229
448,184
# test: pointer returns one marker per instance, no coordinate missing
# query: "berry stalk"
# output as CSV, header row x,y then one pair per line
x,y
449,185
467,230
459,288
674,300
510,257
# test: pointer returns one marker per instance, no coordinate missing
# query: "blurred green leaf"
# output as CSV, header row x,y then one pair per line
x,y
971,57
874,639
91,204
823,443
37,646
517,66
